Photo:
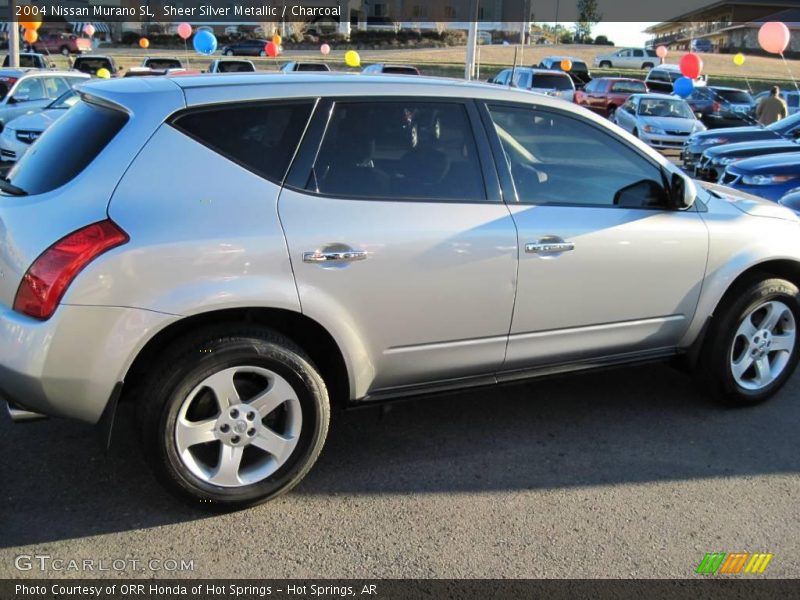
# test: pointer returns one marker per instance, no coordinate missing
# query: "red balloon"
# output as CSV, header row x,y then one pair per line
x,y
271,49
691,65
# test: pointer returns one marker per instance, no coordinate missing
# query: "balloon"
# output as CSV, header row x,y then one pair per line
x,y
103,73
683,87
30,36
277,40
205,42
773,37
566,65
661,52
738,60
272,49
352,59
88,30
144,43
691,65
33,23
185,31
325,49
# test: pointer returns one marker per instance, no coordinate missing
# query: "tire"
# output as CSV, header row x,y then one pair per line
x,y
753,320
226,469
647,66
262,54
64,50
605,64
228,52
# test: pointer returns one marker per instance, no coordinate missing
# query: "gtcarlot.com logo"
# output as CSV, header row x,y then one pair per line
x,y
720,563
45,562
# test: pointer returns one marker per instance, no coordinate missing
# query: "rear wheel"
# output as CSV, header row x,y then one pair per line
x,y
65,50
228,52
647,66
605,64
235,418
752,347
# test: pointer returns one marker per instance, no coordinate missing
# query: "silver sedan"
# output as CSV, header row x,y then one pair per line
x,y
659,120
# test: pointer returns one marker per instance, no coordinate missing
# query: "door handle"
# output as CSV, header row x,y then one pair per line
x,y
337,256
546,247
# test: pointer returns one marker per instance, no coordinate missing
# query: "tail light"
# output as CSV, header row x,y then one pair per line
x,y
716,107
9,81
50,275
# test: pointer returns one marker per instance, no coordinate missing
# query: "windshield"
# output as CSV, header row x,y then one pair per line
x,y
785,125
164,63
65,100
547,81
235,67
92,65
657,107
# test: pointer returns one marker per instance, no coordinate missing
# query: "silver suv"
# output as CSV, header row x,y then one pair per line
x,y
237,256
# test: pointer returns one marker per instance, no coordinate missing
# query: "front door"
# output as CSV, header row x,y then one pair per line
x,y
399,240
605,267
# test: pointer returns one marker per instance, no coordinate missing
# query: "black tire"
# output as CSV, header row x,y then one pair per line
x,y
605,64
64,50
186,363
228,52
714,366
647,66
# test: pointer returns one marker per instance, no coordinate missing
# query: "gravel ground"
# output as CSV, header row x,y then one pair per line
x,y
627,473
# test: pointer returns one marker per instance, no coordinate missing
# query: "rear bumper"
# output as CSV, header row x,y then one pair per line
x,y
69,365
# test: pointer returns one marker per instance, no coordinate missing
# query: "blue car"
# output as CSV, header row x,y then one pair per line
x,y
792,201
770,176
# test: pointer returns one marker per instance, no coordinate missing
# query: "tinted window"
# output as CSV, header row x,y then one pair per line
x,y
579,66
235,67
262,138
734,96
164,63
629,87
399,150
400,70
93,65
312,67
546,169
552,82
67,147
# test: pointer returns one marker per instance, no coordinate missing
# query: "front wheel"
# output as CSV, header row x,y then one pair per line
x,y
605,64
234,418
752,346
228,52
65,50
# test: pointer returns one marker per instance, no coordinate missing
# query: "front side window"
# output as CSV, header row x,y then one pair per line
x,y
540,152
399,150
29,89
260,137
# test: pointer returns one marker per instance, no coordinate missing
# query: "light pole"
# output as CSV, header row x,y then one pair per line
x,y
13,35
472,42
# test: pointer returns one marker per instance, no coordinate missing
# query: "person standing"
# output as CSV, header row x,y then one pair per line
x,y
772,108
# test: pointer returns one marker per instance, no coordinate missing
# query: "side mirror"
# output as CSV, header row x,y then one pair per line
x,y
682,192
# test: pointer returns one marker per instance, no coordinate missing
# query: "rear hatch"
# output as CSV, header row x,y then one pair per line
x,y
67,178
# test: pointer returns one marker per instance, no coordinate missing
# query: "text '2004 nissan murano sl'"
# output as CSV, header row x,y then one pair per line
x,y
236,255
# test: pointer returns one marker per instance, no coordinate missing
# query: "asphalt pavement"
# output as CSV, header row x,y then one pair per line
x,y
626,473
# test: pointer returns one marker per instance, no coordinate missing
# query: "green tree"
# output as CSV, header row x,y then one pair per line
x,y
588,17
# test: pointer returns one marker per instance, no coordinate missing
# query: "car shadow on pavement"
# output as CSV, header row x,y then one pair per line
x,y
623,426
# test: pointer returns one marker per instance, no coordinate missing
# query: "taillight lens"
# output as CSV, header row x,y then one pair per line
x,y
49,276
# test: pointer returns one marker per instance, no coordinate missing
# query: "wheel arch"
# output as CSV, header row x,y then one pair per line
x,y
312,337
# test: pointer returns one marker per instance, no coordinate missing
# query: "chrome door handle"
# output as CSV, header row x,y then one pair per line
x,y
340,256
549,247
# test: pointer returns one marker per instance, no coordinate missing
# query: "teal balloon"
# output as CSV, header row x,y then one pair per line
x,y
205,42
683,87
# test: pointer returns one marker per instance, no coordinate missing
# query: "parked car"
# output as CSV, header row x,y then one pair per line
x,y
20,133
62,43
579,73
148,72
628,58
391,70
541,81
661,79
30,60
722,106
659,120
605,95
162,62
714,160
791,97
791,201
92,63
231,66
294,67
245,48
30,90
702,45
785,129
268,314
770,176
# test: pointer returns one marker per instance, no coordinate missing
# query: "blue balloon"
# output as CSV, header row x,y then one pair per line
x,y
683,87
205,42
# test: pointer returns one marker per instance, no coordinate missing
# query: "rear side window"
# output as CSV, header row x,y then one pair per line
x,y
67,147
734,96
629,87
552,82
403,150
262,138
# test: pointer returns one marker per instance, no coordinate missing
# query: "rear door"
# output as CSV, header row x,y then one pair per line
x,y
399,239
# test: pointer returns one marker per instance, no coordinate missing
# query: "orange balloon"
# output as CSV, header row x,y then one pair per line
x,y
566,65
32,22
276,39
144,43
30,36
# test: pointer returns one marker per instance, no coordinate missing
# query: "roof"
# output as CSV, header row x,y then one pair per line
x,y
657,96
722,4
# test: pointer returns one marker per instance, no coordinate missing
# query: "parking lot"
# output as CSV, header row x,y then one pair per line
x,y
614,474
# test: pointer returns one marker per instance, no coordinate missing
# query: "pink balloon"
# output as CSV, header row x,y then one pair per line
x,y
88,29
325,49
185,31
774,37
661,51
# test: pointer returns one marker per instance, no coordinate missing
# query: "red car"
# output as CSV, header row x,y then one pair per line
x,y
605,95
62,43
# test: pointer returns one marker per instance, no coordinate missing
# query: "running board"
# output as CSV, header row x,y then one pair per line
x,y
20,415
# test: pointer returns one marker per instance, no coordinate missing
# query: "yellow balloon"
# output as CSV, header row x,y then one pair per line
x,y
738,60
566,65
277,40
103,73
352,59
